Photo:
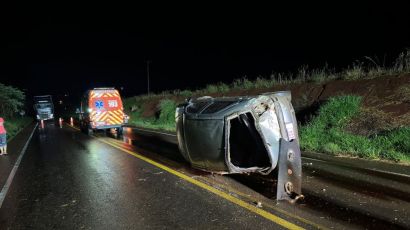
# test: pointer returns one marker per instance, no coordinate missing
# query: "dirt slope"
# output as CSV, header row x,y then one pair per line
x,y
389,95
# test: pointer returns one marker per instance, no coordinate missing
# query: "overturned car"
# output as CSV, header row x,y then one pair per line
x,y
253,134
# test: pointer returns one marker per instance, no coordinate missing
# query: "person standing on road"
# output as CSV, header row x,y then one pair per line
x,y
3,138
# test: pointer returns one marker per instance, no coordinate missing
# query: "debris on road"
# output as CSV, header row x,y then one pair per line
x,y
258,204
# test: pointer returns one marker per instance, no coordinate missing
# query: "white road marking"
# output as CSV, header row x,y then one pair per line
x,y
387,172
313,159
370,169
6,187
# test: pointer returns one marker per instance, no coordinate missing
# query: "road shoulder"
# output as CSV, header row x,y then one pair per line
x,y
14,148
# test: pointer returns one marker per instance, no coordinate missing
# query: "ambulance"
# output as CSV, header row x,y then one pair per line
x,y
101,109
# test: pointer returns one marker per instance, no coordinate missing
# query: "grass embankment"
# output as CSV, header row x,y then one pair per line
x,y
15,125
338,127
328,133
164,119
368,68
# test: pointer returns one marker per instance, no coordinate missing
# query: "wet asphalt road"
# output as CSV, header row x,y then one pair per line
x,y
340,193
68,180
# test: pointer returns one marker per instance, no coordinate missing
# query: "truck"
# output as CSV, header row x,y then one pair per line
x,y
44,108
101,109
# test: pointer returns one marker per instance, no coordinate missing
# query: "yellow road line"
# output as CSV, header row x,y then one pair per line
x,y
228,197
74,127
246,196
230,189
280,221
297,217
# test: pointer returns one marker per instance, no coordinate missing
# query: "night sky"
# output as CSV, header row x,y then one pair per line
x,y
71,49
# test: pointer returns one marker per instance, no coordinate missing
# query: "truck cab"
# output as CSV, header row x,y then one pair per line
x,y
44,108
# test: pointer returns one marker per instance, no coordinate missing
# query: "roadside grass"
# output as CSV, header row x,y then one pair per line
x,y
335,130
367,68
15,125
326,133
354,72
218,88
167,109
152,124
164,121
